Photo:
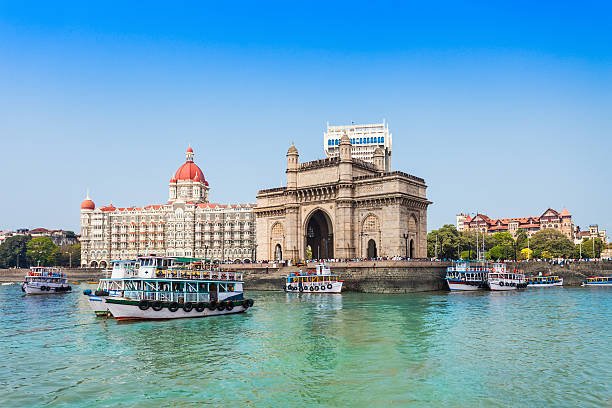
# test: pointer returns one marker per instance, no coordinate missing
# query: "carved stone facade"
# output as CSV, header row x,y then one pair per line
x,y
343,208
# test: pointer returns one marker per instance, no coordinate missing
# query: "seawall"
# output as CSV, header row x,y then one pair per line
x,y
368,277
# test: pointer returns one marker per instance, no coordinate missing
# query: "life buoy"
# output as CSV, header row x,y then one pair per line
x,y
221,306
245,304
69,288
301,288
199,307
251,302
316,288
311,289
212,305
289,287
329,286
501,283
157,306
229,305
173,307
143,304
188,307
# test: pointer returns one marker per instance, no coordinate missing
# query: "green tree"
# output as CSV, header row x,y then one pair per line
x,y
469,239
13,252
69,255
553,242
42,250
520,239
587,248
447,241
526,253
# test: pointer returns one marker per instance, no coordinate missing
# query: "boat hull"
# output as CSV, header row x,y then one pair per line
x,y
462,286
336,287
98,305
122,310
544,285
600,285
46,289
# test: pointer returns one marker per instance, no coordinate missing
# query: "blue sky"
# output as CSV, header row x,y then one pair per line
x,y
503,107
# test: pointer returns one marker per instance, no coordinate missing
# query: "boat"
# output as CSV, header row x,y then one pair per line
x,y
113,286
42,280
499,279
544,281
467,276
174,287
599,281
322,280
7,283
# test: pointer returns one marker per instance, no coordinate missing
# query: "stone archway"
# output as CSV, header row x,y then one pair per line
x,y
320,235
103,264
411,249
372,251
93,264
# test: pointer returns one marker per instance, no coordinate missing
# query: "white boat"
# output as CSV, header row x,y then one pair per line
x,y
321,281
171,288
598,281
499,279
7,283
544,281
467,276
42,280
120,269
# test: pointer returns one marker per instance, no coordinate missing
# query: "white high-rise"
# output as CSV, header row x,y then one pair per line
x,y
366,139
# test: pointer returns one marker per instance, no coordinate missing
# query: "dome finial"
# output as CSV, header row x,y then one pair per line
x,y
189,153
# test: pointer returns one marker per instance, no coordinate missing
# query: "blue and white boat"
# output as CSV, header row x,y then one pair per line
x,y
120,270
544,281
599,281
467,276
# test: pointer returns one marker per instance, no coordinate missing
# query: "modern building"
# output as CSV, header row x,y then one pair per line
x,y
342,207
365,140
550,219
187,225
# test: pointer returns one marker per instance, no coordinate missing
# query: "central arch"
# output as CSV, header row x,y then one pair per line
x,y
320,235
372,252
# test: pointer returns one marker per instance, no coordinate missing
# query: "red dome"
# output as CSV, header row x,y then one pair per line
x,y
87,204
190,171
189,150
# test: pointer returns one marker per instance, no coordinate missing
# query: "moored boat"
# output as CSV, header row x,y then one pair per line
x,y
499,279
322,280
598,281
466,276
171,288
42,280
544,281
113,286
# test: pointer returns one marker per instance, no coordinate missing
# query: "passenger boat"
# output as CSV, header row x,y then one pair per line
x,y
120,270
605,281
42,280
170,288
499,279
322,280
544,281
467,276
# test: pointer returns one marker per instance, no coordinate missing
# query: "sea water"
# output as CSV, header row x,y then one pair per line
x,y
537,347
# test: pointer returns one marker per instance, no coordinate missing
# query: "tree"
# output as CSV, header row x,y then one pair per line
x,y
504,246
469,239
13,251
553,242
526,253
447,241
587,248
69,255
42,251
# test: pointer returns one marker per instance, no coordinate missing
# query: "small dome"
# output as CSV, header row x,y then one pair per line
x,y
87,204
378,152
345,139
189,150
292,149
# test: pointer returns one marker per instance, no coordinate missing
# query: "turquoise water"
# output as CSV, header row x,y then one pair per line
x,y
540,347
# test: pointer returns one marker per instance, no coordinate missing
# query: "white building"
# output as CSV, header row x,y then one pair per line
x,y
187,225
365,140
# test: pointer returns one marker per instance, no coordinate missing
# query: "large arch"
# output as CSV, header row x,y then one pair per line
x,y
372,251
319,235
278,252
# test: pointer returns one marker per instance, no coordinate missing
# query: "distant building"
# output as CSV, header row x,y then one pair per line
x,y
187,225
461,218
550,219
59,237
591,233
365,140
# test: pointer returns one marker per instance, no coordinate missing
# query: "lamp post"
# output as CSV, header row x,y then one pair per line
x,y
405,236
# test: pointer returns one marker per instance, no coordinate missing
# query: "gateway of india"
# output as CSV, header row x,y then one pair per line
x,y
348,205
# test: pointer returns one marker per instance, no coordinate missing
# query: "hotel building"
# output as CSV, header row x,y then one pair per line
x,y
365,139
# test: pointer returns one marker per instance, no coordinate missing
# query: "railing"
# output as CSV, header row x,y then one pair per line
x,y
199,275
164,296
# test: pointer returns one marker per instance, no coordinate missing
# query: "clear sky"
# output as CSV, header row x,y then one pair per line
x,y
503,107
